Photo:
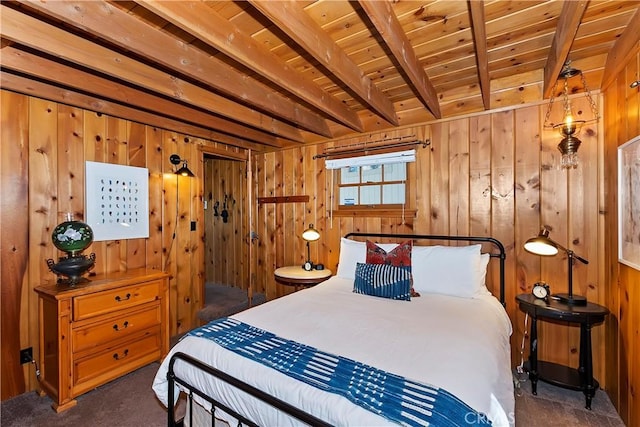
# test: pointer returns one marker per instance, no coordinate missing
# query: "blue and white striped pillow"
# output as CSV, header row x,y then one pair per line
x,y
383,280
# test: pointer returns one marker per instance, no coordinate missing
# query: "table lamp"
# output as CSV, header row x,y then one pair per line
x,y
543,245
310,235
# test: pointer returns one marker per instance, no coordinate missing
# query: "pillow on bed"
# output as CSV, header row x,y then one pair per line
x,y
450,270
353,252
383,280
398,256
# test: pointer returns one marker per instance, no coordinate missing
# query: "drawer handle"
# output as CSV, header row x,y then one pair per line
x,y
125,325
118,298
125,353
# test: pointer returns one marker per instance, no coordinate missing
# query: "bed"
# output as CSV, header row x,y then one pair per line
x,y
451,341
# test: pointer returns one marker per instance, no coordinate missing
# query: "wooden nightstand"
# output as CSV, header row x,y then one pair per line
x,y
295,275
553,373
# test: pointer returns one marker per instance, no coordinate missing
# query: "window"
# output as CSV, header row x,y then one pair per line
x,y
383,184
376,184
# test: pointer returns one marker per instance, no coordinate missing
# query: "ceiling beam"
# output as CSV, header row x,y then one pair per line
x,y
53,72
626,46
568,23
478,27
203,22
291,18
54,41
108,22
384,19
28,86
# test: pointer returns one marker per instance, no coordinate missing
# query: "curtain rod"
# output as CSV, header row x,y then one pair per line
x,y
365,150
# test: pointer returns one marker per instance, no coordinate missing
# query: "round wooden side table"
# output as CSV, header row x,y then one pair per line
x,y
298,277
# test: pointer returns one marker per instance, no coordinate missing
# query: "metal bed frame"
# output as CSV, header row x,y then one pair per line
x,y
291,410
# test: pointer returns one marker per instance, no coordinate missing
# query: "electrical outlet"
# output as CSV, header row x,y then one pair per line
x,y
193,226
26,355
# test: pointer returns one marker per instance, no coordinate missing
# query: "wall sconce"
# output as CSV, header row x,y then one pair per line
x,y
543,245
569,127
184,170
311,235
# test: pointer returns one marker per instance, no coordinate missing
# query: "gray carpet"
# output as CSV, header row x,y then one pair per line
x,y
558,407
130,402
224,300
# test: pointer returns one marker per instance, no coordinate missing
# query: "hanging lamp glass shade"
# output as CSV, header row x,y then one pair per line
x,y
570,125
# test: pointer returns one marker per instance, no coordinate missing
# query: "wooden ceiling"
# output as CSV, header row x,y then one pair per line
x,y
266,74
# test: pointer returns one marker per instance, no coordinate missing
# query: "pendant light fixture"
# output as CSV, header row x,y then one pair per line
x,y
571,123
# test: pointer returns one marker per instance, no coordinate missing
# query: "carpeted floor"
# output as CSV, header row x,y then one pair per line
x,y
224,300
130,402
558,407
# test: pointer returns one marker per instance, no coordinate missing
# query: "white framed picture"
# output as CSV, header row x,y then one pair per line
x,y
629,203
117,201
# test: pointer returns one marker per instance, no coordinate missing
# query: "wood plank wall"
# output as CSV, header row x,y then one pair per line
x,y
622,123
493,174
42,163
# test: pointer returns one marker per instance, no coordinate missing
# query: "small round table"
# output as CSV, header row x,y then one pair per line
x,y
295,275
584,315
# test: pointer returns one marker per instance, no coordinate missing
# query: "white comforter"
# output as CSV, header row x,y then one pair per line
x,y
458,344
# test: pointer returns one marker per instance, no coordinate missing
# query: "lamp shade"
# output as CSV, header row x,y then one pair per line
x,y
541,244
310,234
72,236
184,170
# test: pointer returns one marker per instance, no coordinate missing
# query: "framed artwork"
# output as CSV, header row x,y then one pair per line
x,y
117,201
629,203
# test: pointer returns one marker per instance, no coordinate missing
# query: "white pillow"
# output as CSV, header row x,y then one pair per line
x,y
450,270
353,252
482,273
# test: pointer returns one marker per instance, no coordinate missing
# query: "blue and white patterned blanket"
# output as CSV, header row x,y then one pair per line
x,y
391,396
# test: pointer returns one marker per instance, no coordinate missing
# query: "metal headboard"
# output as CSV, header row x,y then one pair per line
x,y
501,255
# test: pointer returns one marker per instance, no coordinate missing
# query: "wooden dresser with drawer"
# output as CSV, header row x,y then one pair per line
x,y
97,331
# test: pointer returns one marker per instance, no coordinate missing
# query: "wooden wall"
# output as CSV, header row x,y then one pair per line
x,y
622,123
42,162
493,174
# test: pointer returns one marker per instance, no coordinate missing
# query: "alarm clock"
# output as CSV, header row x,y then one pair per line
x,y
541,290
308,266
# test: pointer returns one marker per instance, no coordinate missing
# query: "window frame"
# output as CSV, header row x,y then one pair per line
x,y
407,209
